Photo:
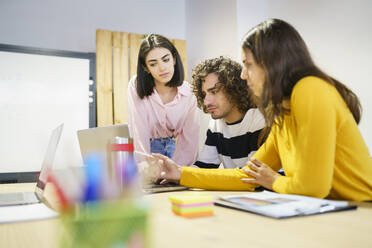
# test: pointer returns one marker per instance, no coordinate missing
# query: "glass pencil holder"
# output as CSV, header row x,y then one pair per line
x,y
111,224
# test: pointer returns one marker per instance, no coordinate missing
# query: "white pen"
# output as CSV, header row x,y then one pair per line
x,y
144,154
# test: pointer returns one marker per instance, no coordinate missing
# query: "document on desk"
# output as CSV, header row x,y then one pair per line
x,y
280,206
28,212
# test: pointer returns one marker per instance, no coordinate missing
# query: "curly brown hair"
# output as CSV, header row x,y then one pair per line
x,y
228,71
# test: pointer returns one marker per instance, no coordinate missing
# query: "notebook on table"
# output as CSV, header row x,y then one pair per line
x,y
97,139
21,198
281,206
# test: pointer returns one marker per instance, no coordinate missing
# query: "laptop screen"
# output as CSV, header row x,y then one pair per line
x,y
47,164
97,139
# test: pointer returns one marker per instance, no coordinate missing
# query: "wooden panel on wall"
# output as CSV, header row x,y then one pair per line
x,y
104,77
181,48
134,46
120,76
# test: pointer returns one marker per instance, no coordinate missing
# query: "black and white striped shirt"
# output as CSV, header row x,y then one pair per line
x,y
231,144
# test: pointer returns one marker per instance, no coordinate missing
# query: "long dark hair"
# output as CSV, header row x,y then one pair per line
x,y
279,49
145,82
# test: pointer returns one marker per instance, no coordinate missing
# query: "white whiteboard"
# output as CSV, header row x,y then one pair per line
x,y
37,93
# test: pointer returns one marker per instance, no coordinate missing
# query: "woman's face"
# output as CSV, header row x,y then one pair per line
x,y
160,64
252,73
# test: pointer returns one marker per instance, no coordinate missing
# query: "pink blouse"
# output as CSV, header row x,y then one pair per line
x,y
150,118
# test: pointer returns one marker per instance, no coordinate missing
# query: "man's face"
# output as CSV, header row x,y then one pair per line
x,y
215,100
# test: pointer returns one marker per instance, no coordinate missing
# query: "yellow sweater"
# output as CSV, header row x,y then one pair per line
x,y
319,147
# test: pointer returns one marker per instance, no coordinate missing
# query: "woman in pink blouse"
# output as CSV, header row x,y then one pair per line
x,y
162,109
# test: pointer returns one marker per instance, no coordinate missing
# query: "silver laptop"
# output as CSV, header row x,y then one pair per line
x,y
21,198
97,139
158,188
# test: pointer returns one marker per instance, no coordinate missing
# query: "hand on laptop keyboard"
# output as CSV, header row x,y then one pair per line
x,y
149,170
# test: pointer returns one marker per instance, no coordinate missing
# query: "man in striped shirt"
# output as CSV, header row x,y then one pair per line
x,y
234,130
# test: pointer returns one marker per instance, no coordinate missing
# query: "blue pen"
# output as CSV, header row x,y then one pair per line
x,y
130,171
93,173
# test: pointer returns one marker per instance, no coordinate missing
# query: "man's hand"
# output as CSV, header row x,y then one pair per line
x,y
170,171
261,174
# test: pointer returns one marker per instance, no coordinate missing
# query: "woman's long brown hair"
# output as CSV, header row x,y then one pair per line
x,y
279,49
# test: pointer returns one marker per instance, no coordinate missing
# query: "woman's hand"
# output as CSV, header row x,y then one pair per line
x,y
170,171
261,174
150,170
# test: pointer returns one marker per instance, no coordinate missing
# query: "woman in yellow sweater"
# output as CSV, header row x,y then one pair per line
x,y
313,119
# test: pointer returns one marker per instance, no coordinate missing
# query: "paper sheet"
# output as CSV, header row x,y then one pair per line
x,y
29,212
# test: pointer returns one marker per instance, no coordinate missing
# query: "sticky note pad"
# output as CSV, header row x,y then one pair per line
x,y
192,205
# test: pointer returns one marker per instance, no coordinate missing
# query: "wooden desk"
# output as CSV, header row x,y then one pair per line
x,y
227,228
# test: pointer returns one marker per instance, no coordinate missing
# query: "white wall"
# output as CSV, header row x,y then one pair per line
x,y
71,25
338,34
211,31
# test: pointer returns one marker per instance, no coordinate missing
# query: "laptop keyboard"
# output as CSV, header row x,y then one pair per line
x,y
12,197
154,186
19,198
